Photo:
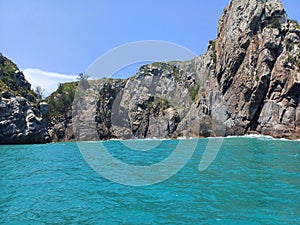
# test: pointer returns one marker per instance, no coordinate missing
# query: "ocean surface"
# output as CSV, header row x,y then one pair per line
x,y
253,180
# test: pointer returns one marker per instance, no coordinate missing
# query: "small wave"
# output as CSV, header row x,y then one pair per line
x,y
220,137
261,137
256,136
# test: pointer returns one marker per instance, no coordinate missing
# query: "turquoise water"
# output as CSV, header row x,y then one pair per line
x,y
251,181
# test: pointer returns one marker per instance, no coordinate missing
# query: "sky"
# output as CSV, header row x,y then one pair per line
x,y
53,41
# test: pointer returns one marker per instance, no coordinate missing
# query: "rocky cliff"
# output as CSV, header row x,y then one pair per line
x,y
247,82
258,68
21,114
253,66
59,116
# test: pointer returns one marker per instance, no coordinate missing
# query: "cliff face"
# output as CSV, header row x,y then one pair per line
x,y
59,116
21,116
150,104
253,68
247,82
258,68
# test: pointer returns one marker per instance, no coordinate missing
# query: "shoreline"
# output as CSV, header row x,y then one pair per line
x,y
255,136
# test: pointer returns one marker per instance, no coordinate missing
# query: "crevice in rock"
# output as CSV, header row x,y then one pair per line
x,y
219,75
253,124
282,114
229,79
256,24
294,94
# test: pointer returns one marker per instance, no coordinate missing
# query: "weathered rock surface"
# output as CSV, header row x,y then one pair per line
x,y
61,129
21,117
59,116
150,104
258,55
247,82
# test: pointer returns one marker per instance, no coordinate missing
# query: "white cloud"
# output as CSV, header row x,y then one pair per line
x,y
47,80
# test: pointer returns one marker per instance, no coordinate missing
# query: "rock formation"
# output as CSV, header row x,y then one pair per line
x,y
247,82
258,68
59,117
21,116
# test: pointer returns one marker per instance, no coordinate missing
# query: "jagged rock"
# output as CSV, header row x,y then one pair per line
x,y
21,122
61,131
43,107
7,94
247,82
250,66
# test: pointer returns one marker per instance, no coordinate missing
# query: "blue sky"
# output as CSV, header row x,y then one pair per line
x,y
65,37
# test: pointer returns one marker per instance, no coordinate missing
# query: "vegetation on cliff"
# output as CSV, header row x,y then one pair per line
x,y
13,81
21,113
60,101
247,82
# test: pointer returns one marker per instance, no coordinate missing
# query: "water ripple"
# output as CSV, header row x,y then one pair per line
x,y
252,181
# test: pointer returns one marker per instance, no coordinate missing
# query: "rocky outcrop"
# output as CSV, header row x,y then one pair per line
x,y
59,113
61,129
21,122
21,116
258,64
253,68
247,82
150,104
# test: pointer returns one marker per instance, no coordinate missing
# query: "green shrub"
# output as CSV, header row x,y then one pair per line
x,y
294,60
274,23
176,74
298,64
158,102
295,22
13,80
193,91
291,59
60,101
